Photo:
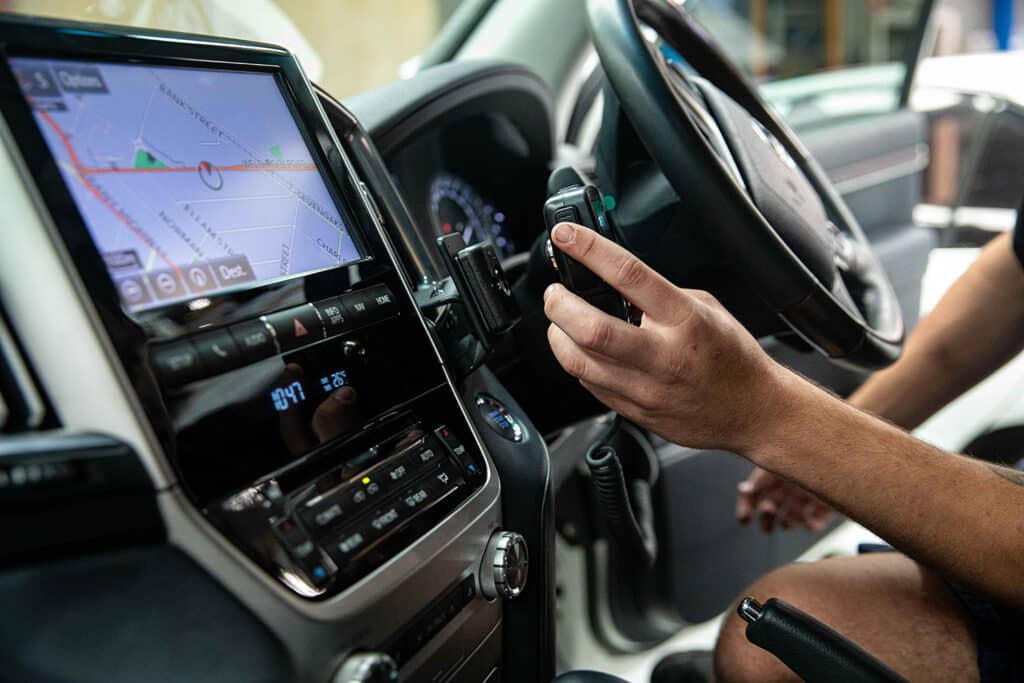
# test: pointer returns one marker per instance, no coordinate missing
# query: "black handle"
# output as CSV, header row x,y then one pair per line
x,y
814,651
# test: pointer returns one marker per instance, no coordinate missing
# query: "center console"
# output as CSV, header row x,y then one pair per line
x,y
236,261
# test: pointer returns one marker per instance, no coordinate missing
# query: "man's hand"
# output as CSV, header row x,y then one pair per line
x,y
779,503
690,372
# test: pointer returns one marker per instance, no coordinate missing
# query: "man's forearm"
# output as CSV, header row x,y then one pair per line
x,y
976,328
961,516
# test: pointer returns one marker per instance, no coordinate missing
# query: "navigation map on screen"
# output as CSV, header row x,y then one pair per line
x,y
190,181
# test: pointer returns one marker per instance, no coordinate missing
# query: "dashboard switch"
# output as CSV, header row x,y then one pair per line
x,y
498,418
254,340
454,445
323,512
370,305
334,315
296,327
177,363
218,351
509,561
317,568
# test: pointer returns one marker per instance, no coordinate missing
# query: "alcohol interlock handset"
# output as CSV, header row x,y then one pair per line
x,y
627,506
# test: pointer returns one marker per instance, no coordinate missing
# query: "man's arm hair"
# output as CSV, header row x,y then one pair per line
x,y
946,511
974,330
955,514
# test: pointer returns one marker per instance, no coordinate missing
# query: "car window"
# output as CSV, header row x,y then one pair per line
x,y
348,46
820,59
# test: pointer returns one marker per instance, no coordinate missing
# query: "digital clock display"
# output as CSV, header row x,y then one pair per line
x,y
294,393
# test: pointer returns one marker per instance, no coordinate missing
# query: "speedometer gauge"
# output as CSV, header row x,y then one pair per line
x,y
456,207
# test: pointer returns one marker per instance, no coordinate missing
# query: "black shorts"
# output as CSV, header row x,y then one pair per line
x,y
999,631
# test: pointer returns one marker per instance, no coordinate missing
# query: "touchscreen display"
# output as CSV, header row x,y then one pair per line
x,y
190,181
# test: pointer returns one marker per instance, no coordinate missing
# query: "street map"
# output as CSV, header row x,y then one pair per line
x,y
190,181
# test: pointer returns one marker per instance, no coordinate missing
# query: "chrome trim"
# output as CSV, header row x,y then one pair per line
x,y
750,610
878,171
980,217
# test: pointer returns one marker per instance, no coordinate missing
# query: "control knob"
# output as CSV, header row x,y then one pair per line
x,y
367,667
504,569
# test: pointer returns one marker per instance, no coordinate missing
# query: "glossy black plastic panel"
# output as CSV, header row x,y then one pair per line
x,y
333,379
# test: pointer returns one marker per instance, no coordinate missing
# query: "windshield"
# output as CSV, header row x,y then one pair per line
x,y
347,46
778,40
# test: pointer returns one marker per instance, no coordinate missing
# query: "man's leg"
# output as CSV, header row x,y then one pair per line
x,y
885,602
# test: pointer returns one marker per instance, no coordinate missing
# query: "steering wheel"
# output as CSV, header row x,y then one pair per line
x,y
750,185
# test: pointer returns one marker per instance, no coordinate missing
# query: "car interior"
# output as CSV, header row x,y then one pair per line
x,y
276,397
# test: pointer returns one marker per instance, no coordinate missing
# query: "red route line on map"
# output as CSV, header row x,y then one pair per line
x,y
84,171
94,191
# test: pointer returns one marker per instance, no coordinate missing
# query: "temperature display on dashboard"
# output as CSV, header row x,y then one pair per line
x,y
455,206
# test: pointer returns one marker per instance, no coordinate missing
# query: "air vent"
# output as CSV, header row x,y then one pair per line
x,y
21,406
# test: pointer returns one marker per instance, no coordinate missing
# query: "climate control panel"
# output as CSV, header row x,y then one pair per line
x,y
379,495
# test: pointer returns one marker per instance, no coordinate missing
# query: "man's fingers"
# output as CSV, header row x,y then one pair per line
x,y
767,511
595,330
745,506
620,404
600,371
656,296
817,515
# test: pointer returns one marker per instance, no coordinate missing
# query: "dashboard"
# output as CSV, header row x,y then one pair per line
x,y
475,177
262,384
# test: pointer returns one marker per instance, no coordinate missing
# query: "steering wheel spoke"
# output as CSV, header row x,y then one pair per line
x,y
747,183
692,103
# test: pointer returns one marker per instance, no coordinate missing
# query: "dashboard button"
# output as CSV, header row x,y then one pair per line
x,y
397,472
294,538
318,569
370,305
386,518
255,342
449,439
177,363
430,489
295,327
357,494
353,541
456,448
499,418
218,351
333,314
422,457
324,512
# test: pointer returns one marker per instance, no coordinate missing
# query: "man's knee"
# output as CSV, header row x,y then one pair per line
x,y
895,609
736,659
